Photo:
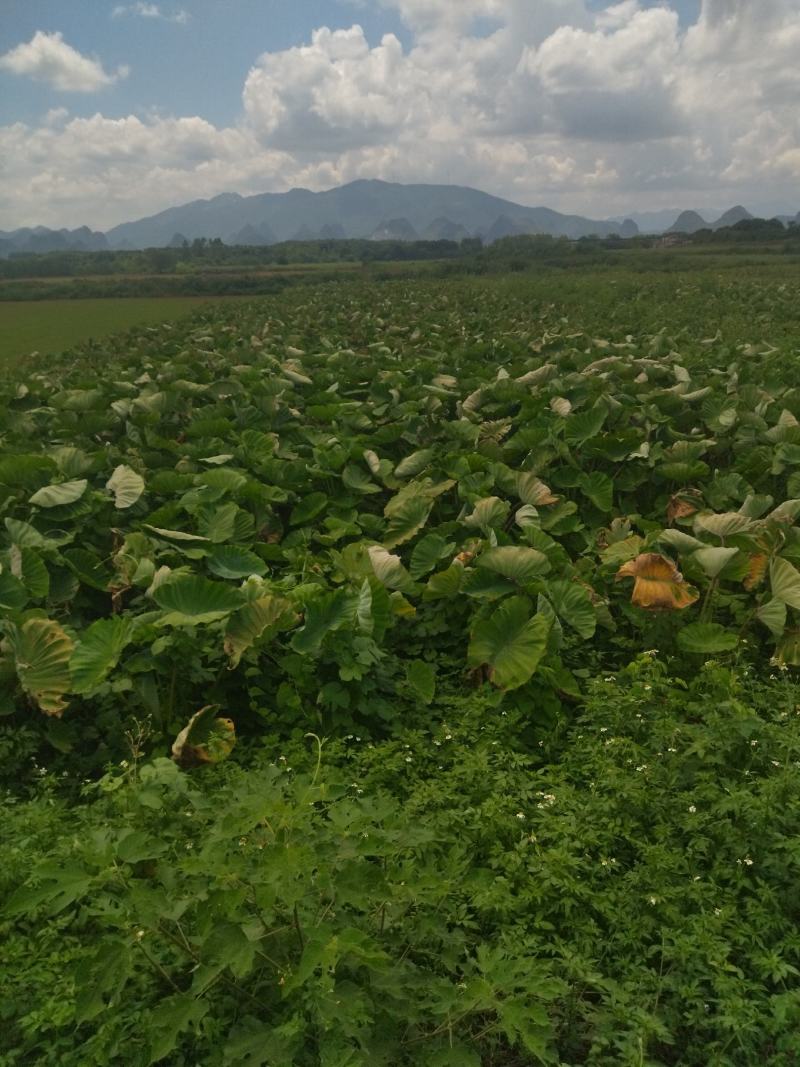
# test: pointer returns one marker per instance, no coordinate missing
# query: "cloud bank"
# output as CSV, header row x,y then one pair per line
x,y
600,112
48,58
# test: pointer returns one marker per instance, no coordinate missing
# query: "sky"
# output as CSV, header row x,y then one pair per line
x,y
115,109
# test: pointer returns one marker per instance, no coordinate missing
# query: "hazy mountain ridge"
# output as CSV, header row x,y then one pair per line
x,y
365,208
41,239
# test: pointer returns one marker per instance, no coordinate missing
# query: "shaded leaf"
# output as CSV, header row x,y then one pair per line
x,y
509,643
706,638
421,676
191,600
98,652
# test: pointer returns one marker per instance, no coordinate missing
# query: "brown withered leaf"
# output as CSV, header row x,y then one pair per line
x,y
204,739
682,505
658,584
757,570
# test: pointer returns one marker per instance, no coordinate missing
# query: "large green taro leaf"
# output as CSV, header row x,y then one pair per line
x,y
98,652
191,600
509,643
42,652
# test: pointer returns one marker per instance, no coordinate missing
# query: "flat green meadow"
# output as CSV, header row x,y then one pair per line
x,y
48,326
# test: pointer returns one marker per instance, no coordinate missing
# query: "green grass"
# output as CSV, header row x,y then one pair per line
x,y
56,325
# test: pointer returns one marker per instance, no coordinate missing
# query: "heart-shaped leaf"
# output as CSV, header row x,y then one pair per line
x,y
126,485
509,643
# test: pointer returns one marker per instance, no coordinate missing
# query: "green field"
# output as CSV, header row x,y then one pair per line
x,y
404,674
56,325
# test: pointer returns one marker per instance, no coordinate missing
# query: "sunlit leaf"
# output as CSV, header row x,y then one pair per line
x,y
256,621
531,490
42,652
390,570
773,616
54,496
714,560
785,581
488,513
126,485
727,525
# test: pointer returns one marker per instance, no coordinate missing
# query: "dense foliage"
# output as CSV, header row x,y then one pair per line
x,y
626,896
403,542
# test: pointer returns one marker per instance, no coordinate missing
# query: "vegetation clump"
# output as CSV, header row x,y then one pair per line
x,y
411,667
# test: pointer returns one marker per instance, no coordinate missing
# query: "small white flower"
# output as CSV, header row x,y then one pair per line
x,y
718,911
520,814
753,744
775,763
409,759
139,935
652,900
748,862
692,809
603,729
647,688
672,750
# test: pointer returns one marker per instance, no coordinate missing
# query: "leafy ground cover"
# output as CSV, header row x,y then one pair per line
x,y
519,562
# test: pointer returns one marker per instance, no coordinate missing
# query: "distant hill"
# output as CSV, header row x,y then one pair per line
x,y
688,222
359,209
731,217
395,230
691,221
41,239
443,229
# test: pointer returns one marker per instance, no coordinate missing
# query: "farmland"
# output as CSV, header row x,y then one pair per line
x,y
49,326
403,673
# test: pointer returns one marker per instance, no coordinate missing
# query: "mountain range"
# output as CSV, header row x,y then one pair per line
x,y
365,208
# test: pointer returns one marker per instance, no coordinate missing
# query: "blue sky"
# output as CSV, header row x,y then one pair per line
x,y
110,109
196,67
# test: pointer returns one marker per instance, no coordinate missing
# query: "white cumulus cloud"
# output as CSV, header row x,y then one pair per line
x,y
599,112
48,58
